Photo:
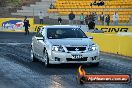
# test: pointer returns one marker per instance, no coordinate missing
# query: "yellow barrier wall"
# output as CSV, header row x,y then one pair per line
x,y
113,43
125,45
107,29
114,29
37,26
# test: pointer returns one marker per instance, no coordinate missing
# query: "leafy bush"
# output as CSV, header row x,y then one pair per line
x,y
11,3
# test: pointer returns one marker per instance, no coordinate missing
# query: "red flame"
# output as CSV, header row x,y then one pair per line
x,y
82,72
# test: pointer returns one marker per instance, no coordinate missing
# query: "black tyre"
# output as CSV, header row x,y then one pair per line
x,y
34,59
46,59
95,64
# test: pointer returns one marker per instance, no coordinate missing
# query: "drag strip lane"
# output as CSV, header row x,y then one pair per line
x,y
60,75
18,71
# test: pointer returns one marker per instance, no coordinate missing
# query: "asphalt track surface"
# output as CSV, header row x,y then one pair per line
x,y
18,71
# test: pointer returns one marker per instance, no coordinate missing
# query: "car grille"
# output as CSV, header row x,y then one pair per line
x,y
76,48
79,59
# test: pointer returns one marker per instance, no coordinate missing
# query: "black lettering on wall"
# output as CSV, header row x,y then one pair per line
x,y
37,28
104,29
109,30
114,29
124,30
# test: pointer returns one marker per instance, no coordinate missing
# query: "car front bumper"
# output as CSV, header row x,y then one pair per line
x,y
74,57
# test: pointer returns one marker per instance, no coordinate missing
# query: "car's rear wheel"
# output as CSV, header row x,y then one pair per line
x,y
34,59
46,59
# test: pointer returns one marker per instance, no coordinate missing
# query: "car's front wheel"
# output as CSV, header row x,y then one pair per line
x,y
95,64
46,58
34,59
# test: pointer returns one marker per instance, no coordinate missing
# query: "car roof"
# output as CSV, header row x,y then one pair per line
x,y
62,26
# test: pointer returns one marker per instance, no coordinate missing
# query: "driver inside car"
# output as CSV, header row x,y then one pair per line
x,y
59,34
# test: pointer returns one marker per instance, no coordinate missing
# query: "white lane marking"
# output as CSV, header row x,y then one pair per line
x,y
14,43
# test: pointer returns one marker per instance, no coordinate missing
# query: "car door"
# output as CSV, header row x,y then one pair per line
x,y
42,43
34,46
37,39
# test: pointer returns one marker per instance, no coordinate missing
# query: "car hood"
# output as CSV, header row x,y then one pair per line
x,y
71,42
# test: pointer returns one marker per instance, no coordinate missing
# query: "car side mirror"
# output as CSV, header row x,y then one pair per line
x,y
90,37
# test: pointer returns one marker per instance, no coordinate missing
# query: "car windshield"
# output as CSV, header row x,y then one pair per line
x,y
59,33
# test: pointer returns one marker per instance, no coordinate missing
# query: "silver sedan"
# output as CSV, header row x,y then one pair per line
x,y
60,44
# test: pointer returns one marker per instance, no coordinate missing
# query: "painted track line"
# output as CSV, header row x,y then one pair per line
x,y
15,43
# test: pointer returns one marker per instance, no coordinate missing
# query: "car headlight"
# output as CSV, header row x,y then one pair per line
x,y
92,47
58,48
